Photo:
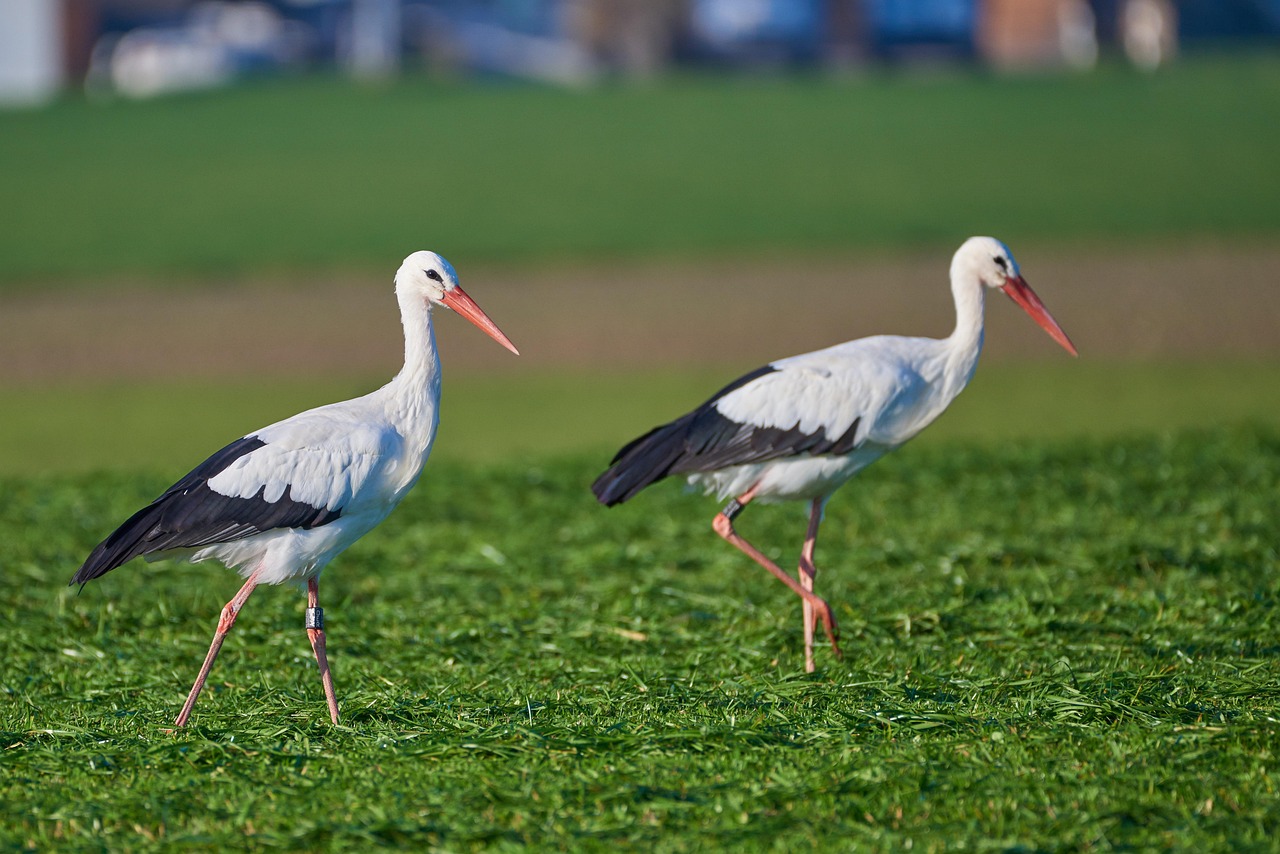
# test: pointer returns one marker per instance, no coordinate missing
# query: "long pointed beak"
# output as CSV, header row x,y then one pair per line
x,y
457,299
1020,292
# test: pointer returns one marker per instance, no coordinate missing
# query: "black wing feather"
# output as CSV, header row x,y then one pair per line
x,y
705,440
189,515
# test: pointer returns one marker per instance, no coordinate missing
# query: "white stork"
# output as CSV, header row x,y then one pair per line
x,y
283,501
799,428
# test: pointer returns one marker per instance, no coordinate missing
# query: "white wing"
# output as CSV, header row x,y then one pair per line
x,y
328,458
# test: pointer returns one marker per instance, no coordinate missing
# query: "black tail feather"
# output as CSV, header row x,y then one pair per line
x,y
136,536
641,462
125,543
190,515
701,440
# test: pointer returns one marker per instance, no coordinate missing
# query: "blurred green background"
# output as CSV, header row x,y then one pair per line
x,y
312,173
280,185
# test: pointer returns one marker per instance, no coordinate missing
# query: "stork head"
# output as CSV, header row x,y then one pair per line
x,y
431,277
989,262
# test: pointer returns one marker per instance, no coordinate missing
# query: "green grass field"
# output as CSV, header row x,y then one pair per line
x,y
312,174
1048,645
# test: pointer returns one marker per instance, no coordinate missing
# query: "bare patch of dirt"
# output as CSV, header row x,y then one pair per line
x,y
1192,302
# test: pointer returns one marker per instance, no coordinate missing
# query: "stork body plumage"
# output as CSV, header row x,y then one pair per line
x,y
279,503
801,427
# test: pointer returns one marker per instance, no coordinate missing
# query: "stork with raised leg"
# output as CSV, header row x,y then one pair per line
x,y
280,503
799,428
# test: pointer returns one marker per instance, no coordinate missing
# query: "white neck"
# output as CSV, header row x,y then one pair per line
x,y
414,393
965,343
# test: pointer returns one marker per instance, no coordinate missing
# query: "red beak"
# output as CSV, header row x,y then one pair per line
x,y
457,299
1020,292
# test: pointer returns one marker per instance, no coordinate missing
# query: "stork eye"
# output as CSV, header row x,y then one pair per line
x,y
1001,263
432,274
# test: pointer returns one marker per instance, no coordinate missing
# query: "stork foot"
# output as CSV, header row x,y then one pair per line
x,y
822,613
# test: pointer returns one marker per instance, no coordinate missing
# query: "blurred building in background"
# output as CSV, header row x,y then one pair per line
x,y
140,48
32,56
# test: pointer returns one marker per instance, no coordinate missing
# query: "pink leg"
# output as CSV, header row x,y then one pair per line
x,y
723,525
807,571
225,622
315,631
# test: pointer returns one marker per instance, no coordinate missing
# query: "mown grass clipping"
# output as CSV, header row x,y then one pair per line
x,y
1064,644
